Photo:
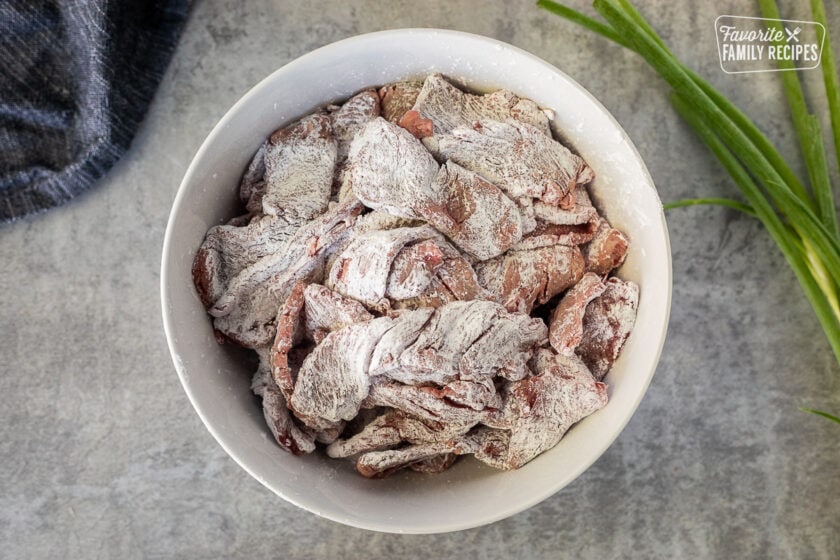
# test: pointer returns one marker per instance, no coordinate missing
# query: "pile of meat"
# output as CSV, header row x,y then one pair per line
x,y
422,275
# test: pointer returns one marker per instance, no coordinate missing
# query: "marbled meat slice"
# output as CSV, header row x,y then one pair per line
x,y
402,268
362,270
382,220
425,402
252,185
246,312
299,165
505,348
475,214
397,98
333,380
326,311
606,250
380,433
607,323
419,126
391,428
478,393
546,235
435,464
404,333
581,213
558,226
289,334
387,167
516,157
565,326
458,277
436,294
448,107
350,118
538,411
413,269
436,354
378,464
522,279
228,249
291,437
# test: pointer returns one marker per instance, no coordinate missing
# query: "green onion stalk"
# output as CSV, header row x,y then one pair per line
x,y
800,216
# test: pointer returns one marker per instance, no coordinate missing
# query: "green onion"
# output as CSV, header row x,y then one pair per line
x,y
800,216
807,130
830,79
821,413
728,202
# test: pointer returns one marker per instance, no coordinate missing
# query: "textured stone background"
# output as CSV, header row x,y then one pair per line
x,y
101,455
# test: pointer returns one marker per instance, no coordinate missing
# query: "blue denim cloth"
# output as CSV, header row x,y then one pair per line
x,y
76,79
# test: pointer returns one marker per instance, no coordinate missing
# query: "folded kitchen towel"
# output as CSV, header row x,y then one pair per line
x,y
76,79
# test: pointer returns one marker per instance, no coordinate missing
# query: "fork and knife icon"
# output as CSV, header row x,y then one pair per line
x,y
792,35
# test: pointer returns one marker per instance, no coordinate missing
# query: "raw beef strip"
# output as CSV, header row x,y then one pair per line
x,y
558,226
474,214
380,433
424,402
289,334
488,445
417,125
455,343
546,235
326,311
387,168
516,157
245,313
390,347
505,348
350,118
607,323
252,185
522,279
434,465
448,107
371,221
436,294
333,380
228,249
607,249
299,165
284,429
398,98
413,269
459,277
377,464
478,394
381,268
539,410
391,428
436,353
455,281
581,213
452,277
566,324
382,220
240,221
361,271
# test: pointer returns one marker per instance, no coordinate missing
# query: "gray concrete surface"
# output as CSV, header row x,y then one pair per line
x,y
101,455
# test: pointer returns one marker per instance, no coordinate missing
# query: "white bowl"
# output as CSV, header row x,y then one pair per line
x,y
215,377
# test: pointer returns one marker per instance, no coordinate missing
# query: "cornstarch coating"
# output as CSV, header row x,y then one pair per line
x,y
422,275
299,166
